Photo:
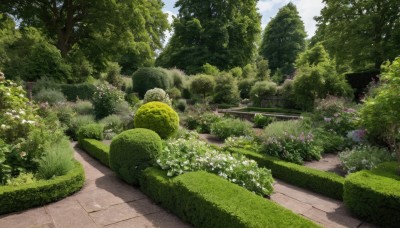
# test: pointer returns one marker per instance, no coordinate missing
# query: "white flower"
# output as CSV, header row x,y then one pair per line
x,y
3,126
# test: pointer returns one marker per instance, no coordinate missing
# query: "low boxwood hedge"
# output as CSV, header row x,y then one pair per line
x,y
15,198
96,149
324,183
374,195
206,200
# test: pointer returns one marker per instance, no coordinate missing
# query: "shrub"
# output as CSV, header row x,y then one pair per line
x,y
52,97
149,78
329,141
245,87
132,99
73,92
286,91
125,114
236,72
202,85
132,151
177,76
57,161
156,94
364,157
91,131
230,127
210,69
22,179
187,155
112,123
113,74
380,113
158,117
261,121
96,149
174,93
226,90
202,121
374,195
181,105
82,107
105,100
14,198
261,90
325,183
78,122
245,142
282,128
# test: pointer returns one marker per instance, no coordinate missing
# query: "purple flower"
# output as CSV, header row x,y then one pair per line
x,y
327,119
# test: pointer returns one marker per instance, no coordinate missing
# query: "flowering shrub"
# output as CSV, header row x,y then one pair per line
x,y
230,127
292,148
157,94
201,122
364,157
245,142
261,121
105,99
334,115
181,155
357,136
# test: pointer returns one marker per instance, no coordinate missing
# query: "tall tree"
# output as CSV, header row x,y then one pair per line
x,y
362,33
284,38
221,33
102,29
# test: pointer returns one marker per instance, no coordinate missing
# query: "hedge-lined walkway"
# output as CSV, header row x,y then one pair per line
x,y
105,201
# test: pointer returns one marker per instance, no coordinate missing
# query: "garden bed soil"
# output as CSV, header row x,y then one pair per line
x,y
329,163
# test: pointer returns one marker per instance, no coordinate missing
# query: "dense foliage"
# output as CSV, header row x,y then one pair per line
x,y
221,33
149,78
283,39
133,151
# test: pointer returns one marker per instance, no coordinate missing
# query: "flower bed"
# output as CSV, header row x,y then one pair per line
x,y
325,183
15,198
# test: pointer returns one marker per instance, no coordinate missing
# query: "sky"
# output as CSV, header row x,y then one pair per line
x,y
308,9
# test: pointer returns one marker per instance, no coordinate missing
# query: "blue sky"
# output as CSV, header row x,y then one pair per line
x,y
268,8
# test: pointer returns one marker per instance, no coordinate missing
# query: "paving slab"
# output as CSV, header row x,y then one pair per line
x,y
36,217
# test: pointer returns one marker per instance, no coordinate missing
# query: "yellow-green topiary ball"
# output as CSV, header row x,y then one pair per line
x,y
158,117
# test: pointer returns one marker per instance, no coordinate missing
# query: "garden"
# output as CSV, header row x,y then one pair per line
x,y
206,142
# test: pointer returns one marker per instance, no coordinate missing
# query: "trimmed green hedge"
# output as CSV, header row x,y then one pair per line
x,y
324,183
15,198
374,195
83,91
96,149
206,200
273,110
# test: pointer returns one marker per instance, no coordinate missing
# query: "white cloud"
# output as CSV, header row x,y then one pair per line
x,y
168,34
308,10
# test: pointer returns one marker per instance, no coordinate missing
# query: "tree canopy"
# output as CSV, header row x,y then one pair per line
x,y
125,31
361,34
221,33
283,39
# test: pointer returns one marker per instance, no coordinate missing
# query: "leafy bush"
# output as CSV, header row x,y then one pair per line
x,y
188,196
57,161
52,97
322,182
113,74
78,122
261,90
334,115
329,141
202,85
202,121
245,87
149,78
282,128
22,179
158,117
82,107
181,105
174,93
236,72
91,131
245,142
157,94
364,157
374,195
105,100
226,90
112,123
380,113
177,76
82,91
186,155
230,127
286,91
132,151
132,99
125,114
261,121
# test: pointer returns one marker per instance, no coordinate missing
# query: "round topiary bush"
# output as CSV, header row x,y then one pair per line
x,y
133,151
149,78
157,94
158,117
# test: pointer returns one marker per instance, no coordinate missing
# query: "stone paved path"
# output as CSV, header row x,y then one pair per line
x,y
322,210
104,201
328,162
